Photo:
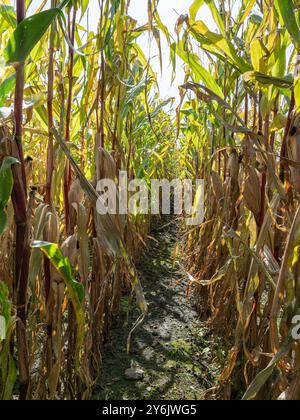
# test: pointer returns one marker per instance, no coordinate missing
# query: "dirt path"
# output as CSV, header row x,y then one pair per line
x,y
173,348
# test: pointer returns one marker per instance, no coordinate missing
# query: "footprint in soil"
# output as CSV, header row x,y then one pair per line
x,y
163,347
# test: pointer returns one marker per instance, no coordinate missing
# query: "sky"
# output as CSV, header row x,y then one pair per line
x,y
169,11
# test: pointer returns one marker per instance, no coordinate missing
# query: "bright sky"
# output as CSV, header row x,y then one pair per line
x,y
169,11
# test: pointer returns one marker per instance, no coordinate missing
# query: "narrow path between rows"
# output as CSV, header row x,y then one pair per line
x,y
172,351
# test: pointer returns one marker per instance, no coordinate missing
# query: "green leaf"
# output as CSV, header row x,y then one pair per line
x,y
8,372
284,83
258,55
6,179
199,71
278,59
194,9
2,328
64,3
265,374
8,14
63,266
219,45
287,14
75,290
6,87
216,15
3,221
6,187
246,11
84,6
27,35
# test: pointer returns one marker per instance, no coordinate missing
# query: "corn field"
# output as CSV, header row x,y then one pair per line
x,y
79,105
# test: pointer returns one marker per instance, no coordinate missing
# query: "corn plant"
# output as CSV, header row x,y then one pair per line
x,y
240,120
76,106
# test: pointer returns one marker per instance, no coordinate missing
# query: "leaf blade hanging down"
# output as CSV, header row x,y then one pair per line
x,y
27,35
6,87
108,232
199,71
284,83
265,374
113,237
219,45
239,129
285,9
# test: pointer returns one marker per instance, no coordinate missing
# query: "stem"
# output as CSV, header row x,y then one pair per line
x,y
275,113
102,85
70,72
67,174
102,100
283,151
50,153
19,200
264,175
49,193
246,110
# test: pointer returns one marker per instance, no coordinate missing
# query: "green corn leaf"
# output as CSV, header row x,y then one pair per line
x,y
216,15
84,6
284,83
199,71
62,264
65,3
6,179
8,372
219,45
8,14
6,87
27,35
6,187
286,12
75,290
194,9
2,328
258,54
265,374
246,11
3,221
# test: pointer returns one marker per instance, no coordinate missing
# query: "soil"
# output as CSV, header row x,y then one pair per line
x,y
179,357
